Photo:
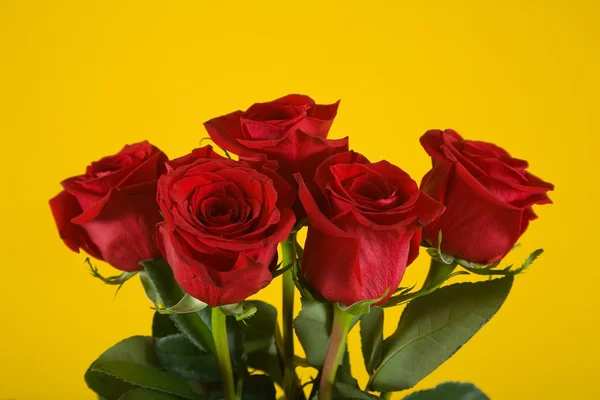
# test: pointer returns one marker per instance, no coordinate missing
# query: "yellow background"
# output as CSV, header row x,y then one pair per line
x,y
80,79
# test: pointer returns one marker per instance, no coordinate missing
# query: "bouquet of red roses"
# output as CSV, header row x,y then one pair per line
x,y
202,231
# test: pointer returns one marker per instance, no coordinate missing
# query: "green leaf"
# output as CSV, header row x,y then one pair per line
x,y
449,391
258,387
260,343
313,327
342,390
162,289
371,338
433,327
145,394
255,387
180,357
129,364
160,284
187,304
162,326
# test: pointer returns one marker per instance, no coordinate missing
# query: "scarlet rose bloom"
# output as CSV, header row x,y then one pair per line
x,y
223,221
488,196
111,210
364,228
291,130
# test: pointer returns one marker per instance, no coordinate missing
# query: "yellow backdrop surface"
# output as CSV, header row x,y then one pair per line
x,y
80,79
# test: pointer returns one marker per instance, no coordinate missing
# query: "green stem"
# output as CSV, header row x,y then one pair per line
x,y
299,392
438,272
386,395
219,331
288,251
342,321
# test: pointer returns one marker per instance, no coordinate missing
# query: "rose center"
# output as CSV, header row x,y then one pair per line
x,y
218,210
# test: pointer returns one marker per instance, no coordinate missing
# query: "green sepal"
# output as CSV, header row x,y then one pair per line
x,y
187,304
449,391
441,257
279,271
403,290
408,297
240,311
362,307
117,280
304,288
478,269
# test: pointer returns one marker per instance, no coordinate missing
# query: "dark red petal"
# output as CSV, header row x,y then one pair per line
x,y
205,152
216,280
226,131
315,217
285,192
122,226
415,245
427,209
148,171
323,173
432,141
259,238
475,226
408,189
296,99
299,152
361,265
319,120
384,256
435,182
95,187
64,208
324,111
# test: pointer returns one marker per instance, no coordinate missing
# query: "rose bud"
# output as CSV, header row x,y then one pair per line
x,y
488,196
223,222
291,130
364,228
111,210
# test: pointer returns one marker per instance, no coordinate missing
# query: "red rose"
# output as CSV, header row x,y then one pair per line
x,y
223,221
364,228
111,210
488,196
291,130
